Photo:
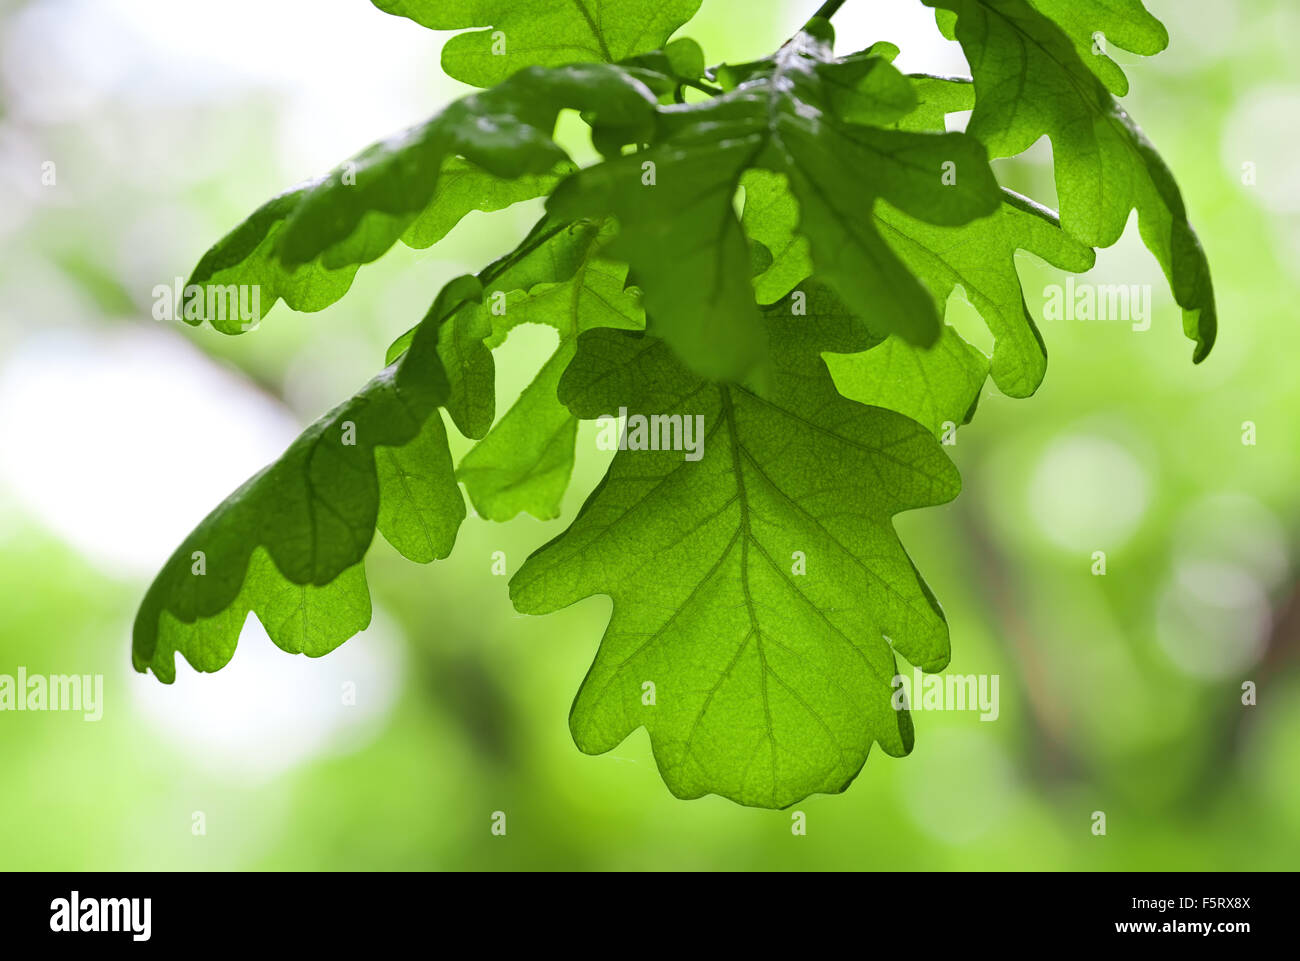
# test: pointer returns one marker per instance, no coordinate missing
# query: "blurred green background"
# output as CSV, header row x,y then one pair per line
x,y
168,123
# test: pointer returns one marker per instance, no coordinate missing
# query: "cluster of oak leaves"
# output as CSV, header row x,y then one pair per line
x,y
768,245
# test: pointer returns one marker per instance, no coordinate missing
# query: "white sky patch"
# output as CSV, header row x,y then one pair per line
x,y
1212,619
268,711
1253,135
344,72
906,24
1088,492
121,442
958,785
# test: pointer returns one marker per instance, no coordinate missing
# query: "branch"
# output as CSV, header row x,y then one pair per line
x,y
824,12
828,9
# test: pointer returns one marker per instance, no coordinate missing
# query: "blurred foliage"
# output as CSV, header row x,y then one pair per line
x,y
1119,693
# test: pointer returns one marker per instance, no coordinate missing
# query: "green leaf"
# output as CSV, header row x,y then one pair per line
x,y
1093,26
936,386
313,513
865,89
463,188
979,257
1030,81
288,544
484,153
683,242
769,684
933,385
507,131
300,619
682,61
550,254
523,33
936,97
420,506
770,216
675,201
524,462
248,254
794,354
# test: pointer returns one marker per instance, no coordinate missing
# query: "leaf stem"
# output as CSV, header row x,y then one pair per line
x,y
698,85
825,12
490,273
828,9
